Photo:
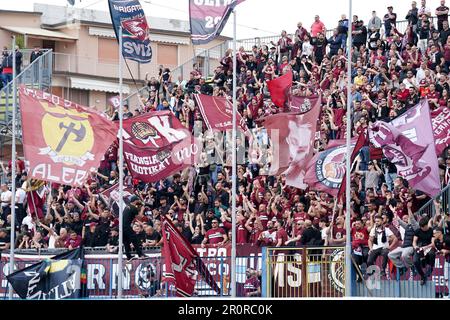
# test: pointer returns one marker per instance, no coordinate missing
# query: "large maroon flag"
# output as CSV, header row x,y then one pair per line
x,y
360,143
408,143
156,145
217,112
62,141
279,89
182,265
292,138
440,120
208,18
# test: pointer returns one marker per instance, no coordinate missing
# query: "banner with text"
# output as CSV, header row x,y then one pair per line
x,y
62,141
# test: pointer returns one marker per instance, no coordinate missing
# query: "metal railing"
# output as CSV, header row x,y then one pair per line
x,y
207,61
259,41
36,75
394,285
310,272
138,281
443,204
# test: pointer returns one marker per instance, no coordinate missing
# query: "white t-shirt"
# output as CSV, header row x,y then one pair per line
x,y
6,198
29,222
20,195
324,233
380,244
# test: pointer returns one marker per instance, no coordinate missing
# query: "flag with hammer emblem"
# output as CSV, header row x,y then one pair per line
x,y
62,141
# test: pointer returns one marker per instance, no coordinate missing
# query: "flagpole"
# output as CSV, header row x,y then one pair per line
x,y
13,166
120,253
234,169
348,243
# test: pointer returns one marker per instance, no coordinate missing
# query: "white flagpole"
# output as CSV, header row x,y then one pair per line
x,y
348,243
234,169
120,253
13,165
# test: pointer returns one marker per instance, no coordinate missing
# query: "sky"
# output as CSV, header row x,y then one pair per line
x,y
254,17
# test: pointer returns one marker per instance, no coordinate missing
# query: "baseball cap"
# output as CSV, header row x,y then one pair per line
x,y
92,224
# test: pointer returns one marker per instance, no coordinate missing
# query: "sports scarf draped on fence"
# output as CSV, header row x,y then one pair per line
x,y
408,142
156,145
208,18
62,141
61,277
135,30
182,263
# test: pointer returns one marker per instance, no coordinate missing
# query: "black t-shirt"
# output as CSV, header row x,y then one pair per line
x,y
129,214
424,237
197,239
443,17
113,241
187,234
155,236
5,240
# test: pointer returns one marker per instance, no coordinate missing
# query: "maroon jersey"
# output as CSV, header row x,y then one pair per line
x,y
215,236
251,285
300,216
338,233
281,234
241,233
264,217
359,237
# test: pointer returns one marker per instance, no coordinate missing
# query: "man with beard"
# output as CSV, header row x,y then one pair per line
x,y
401,257
379,239
423,250
360,248
268,237
129,236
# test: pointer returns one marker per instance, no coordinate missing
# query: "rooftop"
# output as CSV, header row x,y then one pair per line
x,y
54,16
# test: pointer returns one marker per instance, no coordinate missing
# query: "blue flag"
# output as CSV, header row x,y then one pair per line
x,y
129,15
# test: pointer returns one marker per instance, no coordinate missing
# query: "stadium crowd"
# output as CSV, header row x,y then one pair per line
x,y
391,72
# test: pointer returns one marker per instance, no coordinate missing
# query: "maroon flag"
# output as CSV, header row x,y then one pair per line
x,y
36,198
112,194
292,138
408,143
279,89
327,169
440,120
156,145
208,18
182,265
360,143
62,141
217,112
303,104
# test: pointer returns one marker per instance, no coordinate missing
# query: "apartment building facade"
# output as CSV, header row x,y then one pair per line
x,y
85,49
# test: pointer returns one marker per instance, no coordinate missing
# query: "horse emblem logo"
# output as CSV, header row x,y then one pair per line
x,y
68,135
